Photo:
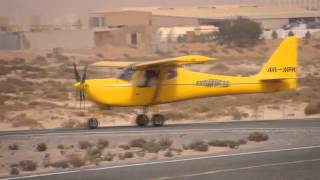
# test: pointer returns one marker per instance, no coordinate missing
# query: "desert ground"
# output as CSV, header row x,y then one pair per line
x,y
36,86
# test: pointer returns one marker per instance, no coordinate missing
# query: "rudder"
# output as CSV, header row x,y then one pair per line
x,y
283,62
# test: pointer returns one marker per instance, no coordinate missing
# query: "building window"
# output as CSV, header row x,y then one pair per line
x,y
98,21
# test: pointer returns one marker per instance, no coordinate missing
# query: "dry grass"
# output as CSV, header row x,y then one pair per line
x,y
23,121
165,143
63,164
73,124
76,160
227,143
102,144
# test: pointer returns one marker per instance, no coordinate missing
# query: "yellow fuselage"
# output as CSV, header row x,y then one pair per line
x,y
186,85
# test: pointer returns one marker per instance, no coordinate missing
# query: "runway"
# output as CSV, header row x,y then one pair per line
x,y
292,152
175,128
293,163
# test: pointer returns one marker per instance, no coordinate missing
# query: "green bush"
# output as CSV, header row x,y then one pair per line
x,y
240,32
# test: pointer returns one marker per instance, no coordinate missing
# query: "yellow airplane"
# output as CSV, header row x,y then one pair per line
x,y
148,84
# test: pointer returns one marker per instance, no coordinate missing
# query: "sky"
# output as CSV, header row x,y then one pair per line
x,y
54,11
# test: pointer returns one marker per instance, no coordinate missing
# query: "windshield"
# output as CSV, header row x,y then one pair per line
x,y
126,74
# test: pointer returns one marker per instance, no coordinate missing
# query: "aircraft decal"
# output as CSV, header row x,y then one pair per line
x,y
284,69
213,83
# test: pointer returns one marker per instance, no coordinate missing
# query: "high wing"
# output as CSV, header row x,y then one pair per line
x,y
177,61
118,64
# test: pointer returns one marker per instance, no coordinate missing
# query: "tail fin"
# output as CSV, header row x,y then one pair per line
x,y
283,63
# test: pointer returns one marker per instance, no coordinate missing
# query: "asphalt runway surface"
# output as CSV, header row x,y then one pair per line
x,y
298,162
218,126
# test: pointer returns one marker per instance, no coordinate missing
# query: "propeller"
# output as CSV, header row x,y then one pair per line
x,y
80,80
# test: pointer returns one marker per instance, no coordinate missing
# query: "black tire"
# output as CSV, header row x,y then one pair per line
x,y
142,120
157,120
92,123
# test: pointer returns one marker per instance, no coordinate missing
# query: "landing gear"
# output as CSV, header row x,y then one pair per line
x,y
142,120
92,123
157,120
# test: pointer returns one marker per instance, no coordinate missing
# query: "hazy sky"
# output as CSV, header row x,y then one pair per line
x,y
55,10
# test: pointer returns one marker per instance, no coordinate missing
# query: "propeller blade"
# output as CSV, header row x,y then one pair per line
x,y
80,94
84,76
84,99
76,73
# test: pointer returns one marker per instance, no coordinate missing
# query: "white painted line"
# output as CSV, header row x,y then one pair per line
x,y
163,162
174,131
238,169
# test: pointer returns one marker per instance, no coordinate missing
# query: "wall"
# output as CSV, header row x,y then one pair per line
x,y
9,41
121,36
68,39
170,21
128,18
273,23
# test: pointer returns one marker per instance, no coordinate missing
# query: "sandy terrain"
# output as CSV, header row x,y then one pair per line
x,y
36,87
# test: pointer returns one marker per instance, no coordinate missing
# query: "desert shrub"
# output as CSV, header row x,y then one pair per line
x,y
141,154
128,155
165,143
93,154
242,141
307,35
168,154
60,146
199,146
290,33
13,147
108,157
41,147
39,60
140,143
258,136
14,171
317,46
121,157
312,108
76,160
102,144
124,146
227,143
274,35
152,146
84,144
28,165
60,164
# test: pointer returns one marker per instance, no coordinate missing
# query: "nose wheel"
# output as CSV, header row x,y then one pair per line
x,y
92,123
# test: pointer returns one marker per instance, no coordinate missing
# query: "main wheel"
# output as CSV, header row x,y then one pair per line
x,y
92,123
142,120
157,120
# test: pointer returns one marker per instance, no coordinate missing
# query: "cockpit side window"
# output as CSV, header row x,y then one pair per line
x,y
126,74
171,74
